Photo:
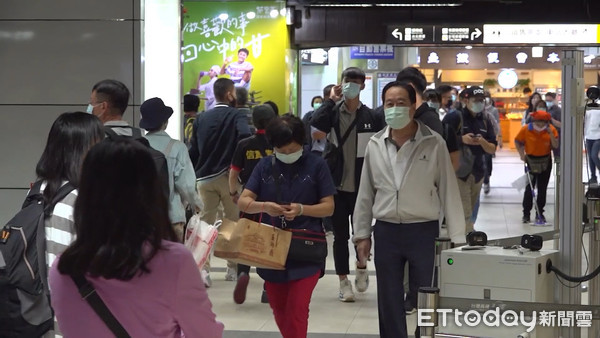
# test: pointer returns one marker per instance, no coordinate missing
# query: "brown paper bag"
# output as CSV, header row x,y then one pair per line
x,y
251,243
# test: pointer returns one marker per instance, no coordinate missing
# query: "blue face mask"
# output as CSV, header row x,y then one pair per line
x,y
90,109
549,104
476,107
288,158
397,117
350,90
453,98
433,105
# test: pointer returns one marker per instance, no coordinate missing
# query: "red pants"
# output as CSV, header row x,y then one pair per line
x,y
289,302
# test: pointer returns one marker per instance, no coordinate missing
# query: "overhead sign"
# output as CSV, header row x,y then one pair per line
x,y
410,35
497,58
372,52
439,34
542,34
468,34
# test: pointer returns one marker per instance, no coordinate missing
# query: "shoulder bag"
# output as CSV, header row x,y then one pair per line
x,y
89,294
334,155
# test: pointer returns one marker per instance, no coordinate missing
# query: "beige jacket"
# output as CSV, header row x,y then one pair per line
x,y
428,190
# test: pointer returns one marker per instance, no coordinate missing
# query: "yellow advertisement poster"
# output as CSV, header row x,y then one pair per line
x,y
245,41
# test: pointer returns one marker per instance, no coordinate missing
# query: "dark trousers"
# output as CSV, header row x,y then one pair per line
x,y
396,245
344,208
592,149
487,162
541,181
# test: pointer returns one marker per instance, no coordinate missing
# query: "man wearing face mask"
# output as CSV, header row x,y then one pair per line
x,y
316,146
214,139
108,101
477,133
407,186
556,114
535,142
343,116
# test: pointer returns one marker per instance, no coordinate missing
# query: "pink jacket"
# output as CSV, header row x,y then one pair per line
x,y
167,302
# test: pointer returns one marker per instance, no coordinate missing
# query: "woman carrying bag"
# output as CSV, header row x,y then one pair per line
x,y
294,190
535,142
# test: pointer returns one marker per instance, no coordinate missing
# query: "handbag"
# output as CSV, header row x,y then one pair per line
x,y
305,245
87,292
466,162
334,156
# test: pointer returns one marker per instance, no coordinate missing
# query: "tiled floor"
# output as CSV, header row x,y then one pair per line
x,y
499,216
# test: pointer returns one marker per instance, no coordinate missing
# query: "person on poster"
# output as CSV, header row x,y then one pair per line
x,y
207,88
240,72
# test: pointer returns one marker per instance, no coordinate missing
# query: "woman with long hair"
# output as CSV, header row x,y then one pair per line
x,y
152,286
534,99
69,139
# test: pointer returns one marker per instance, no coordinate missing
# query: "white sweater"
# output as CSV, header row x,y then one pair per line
x,y
428,190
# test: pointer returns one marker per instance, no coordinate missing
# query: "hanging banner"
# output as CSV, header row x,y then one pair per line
x,y
244,41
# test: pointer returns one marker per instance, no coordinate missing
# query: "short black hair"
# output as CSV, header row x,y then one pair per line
x,y
312,102
262,115
413,76
412,94
244,50
274,106
221,87
327,90
190,102
285,130
527,90
551,94
443,89
114,92
354,73
241,96
432,94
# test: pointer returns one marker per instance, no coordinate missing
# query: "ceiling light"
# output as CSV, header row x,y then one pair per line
x,y
468,47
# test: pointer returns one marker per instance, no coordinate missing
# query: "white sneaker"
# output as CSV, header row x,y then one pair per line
x,y
362,279
231,275
346,293
206,279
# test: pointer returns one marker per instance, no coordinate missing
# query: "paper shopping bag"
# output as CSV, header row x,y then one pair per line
x,y
251,243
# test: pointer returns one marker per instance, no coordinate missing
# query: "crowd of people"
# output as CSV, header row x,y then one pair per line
x,y
396,175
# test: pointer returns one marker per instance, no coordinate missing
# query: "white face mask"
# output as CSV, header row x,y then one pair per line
x,y
538,128
433,105
350,90
289,158
397,117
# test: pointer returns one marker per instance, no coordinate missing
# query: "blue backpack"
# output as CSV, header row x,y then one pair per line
x,y
24,297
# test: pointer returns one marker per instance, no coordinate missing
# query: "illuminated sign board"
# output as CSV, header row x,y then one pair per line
x,y
540,34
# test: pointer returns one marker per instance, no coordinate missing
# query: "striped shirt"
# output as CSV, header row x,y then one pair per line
x,y
60,229
60,232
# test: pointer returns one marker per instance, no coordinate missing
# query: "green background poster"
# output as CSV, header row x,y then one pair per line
x,y
214,32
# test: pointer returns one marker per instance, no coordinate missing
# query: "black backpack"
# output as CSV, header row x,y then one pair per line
x,y
160,161
24,298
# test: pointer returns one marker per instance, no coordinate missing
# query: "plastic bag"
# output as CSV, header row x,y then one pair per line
x,y
199,238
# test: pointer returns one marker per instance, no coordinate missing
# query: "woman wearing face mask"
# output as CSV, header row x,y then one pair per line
x,y
534,99
301,196
407,185
535,142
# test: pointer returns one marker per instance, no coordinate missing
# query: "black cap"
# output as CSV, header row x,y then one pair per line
x,y
154,113
474,91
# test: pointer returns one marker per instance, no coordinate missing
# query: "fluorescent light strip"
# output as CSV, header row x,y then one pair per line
x,y
421,5
454,4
